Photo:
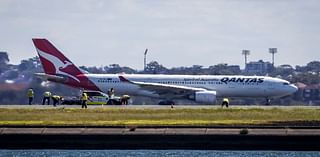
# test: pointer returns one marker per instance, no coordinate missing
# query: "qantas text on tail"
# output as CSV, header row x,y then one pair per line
x,y
199,88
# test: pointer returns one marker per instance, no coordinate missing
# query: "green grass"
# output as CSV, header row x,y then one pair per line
x,y
155,117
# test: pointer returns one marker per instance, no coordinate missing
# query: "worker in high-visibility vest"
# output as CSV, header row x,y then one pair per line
x,y
30,95
111,93
46,97
225,102
56,100
124,99
84,99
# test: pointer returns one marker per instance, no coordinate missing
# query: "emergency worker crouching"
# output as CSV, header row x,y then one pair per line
x,y
124,99
225,102
56,100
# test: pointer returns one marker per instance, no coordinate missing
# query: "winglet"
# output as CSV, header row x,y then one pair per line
x,y
123,79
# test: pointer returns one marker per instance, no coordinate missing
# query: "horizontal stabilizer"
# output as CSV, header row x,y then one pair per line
x,y
49,77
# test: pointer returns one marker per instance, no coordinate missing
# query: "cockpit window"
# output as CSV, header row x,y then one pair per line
x,y
285,83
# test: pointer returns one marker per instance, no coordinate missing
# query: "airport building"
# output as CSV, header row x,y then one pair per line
x,y
259,67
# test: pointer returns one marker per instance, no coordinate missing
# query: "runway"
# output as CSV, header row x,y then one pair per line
x,y
158,106
156,131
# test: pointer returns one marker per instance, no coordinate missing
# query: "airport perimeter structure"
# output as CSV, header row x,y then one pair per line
x,y
303,134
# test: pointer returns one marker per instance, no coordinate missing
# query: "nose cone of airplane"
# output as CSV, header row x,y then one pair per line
x,y
293,88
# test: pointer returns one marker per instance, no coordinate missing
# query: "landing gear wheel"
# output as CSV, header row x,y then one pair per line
x,y
268,101
166,102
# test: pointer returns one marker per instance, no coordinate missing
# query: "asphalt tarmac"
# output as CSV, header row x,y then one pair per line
x,y
158,106
157,131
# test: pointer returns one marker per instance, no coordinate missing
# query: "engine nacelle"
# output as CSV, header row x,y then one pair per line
x,y
208,97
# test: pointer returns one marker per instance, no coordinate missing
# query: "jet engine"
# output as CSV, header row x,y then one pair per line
x,y
207,97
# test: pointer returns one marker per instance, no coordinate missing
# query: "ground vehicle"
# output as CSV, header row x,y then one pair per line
x,y
99,98
71,101
95,98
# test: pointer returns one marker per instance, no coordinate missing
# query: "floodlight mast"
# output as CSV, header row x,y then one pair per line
x,y
273,51
245,53
145,59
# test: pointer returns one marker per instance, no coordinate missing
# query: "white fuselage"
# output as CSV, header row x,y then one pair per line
x,y
201,88
224,85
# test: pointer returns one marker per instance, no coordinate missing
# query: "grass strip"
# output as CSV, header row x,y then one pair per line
x,y
155,117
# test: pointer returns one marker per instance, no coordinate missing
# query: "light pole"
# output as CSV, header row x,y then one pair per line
x,y
245,53
145,59
273,51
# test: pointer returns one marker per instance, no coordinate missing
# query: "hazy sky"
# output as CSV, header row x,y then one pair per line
x,y
176,32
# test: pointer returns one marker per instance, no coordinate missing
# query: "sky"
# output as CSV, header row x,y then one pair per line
x,y
176,32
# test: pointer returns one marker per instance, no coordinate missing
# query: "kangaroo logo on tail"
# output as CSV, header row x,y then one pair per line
x,y
58,64
61,64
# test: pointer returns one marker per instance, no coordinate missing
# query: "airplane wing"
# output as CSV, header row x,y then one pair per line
x,y
164,89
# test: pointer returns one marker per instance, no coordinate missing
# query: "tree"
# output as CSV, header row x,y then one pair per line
x,y
4,59
306,78
116,68
30,64
224,69
283,70
314,66
155,68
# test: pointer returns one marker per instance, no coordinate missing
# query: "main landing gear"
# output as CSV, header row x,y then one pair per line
x,y
268,101
166,102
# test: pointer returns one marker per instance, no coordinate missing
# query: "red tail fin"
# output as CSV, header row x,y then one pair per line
x,y
54,62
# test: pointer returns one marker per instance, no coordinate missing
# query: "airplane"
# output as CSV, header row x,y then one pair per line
x,y
203,89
